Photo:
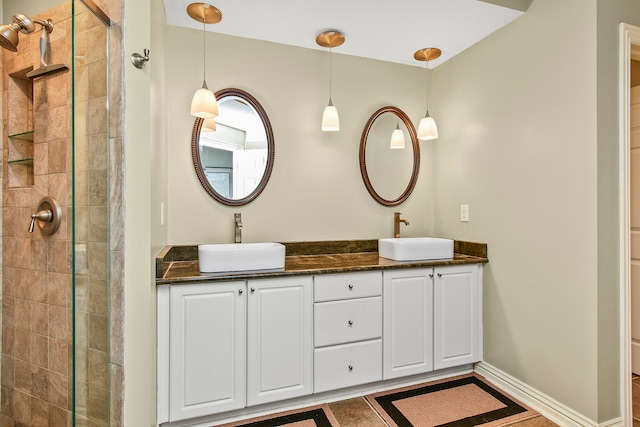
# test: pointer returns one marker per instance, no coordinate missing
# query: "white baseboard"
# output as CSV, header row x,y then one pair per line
x,y
545,405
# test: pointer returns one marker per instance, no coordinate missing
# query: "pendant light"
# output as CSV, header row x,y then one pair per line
x,y
397,138
330,39
427,128
204,104
208,125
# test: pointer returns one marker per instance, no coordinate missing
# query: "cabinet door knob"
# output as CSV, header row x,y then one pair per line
x,y
240,291
350,322
350,368
253,290
350,286
439,275
431,275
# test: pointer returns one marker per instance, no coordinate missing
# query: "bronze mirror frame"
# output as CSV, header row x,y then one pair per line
x,y
195,149
416,156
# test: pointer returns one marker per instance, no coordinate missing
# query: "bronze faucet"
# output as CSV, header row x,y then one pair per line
x,y
396,223
238,219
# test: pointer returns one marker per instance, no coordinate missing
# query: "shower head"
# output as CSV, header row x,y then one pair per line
x,y
8,38
9,32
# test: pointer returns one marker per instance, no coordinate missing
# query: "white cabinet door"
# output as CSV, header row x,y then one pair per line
x,y
280,328
207,349
408,322
457,315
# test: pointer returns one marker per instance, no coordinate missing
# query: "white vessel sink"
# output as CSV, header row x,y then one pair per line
x,y
415,248
219,257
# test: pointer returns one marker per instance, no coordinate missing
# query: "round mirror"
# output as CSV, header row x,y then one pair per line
x,y
389,156
233,155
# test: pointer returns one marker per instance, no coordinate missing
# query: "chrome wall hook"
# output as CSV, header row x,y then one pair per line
x,y
138,60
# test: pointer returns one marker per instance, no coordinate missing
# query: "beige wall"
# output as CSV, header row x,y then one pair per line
x,y
158,76
139,298
610,15
158,147
316,191
518,144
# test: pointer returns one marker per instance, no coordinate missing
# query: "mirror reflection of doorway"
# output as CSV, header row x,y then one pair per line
x,y
234,156
221,179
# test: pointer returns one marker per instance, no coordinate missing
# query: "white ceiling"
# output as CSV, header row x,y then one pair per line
x,y
384,30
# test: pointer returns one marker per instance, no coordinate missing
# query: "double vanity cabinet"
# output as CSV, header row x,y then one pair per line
x,y
232,343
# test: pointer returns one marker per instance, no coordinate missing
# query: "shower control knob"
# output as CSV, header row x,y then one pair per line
x,y
48,215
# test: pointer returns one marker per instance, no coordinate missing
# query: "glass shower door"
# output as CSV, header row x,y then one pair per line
x,y
92,363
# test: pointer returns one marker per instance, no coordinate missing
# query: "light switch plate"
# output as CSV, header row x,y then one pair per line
x,y
464,213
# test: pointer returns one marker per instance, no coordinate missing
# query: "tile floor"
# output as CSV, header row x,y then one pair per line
x,y
357,413
635,398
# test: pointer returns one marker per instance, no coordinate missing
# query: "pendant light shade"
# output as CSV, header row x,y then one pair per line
x,y
427,128
397,138
209,125
330,118
204,104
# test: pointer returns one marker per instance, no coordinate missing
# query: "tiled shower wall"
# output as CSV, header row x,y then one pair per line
x,y
36,277
36,374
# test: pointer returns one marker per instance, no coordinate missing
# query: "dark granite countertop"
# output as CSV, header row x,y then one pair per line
x,y
179,264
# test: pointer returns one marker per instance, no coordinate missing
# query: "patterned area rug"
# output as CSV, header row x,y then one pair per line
x,y
314,416
463,401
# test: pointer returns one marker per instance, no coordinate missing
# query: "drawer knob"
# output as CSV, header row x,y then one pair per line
x,y
350,322
350,368
350,286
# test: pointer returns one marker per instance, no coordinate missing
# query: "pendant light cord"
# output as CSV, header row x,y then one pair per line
x,y
427,88
330,70
204,49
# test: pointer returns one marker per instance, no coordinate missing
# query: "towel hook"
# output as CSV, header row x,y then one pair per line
x,y
138,60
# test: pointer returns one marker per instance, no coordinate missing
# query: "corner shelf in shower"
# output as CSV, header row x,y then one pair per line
x,y
20,160
24,136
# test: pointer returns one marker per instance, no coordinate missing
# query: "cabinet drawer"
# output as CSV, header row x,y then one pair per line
x,y
340,322
331,287
347,365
